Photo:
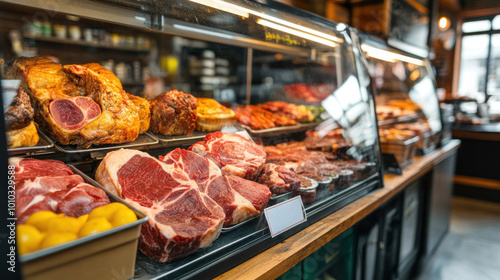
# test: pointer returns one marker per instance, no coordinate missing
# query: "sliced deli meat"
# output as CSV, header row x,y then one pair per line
x,y
222,189
181,217
232,153
51,185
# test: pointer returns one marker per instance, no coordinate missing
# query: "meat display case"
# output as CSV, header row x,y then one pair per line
x,y
405,92
238,53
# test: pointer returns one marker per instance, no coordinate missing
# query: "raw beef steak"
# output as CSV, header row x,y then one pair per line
x,y
181,218
278,178
237,206
51,185
232,153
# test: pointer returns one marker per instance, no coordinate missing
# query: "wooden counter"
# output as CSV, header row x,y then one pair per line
x,y
277,260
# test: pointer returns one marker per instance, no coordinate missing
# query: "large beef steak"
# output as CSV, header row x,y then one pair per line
x,y
181,218
237,206
232,153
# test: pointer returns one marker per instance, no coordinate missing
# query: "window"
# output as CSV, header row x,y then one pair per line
x,y
479,75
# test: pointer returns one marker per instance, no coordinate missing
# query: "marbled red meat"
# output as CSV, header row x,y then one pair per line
x,y
279,179
181,218
232,153
51,185
237,207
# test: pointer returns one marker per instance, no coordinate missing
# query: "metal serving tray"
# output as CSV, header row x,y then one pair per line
x,y
43,143
179,140
105,255
275,131
144,141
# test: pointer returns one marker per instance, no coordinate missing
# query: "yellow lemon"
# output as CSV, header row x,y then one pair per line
x,y
64,224
28,238
123,216
82,219
39,218
56,238
106,211
45,226
94,226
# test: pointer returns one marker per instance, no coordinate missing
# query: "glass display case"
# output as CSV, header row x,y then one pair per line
x,y
406,98
294,84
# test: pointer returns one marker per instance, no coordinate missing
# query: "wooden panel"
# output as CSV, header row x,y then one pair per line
x,y
282,257
477,182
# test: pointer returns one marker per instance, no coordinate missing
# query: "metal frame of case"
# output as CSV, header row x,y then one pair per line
x,y
232,247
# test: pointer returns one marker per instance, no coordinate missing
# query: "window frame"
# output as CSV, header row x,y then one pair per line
x,y
458,54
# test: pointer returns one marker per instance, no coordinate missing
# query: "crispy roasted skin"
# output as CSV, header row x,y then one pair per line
x,y
20,113
43,75
23,137
141,104
119,120
47,81
173,113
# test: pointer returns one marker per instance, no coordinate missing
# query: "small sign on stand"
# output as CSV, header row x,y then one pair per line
x,y
286,215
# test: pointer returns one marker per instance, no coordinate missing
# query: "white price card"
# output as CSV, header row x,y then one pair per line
x,y
285,215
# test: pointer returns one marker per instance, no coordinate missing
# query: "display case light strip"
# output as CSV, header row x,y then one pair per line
x,y
389,56
296,33
220,5
274,19
202,31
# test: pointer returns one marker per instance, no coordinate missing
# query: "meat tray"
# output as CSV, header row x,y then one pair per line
x,y
233,227
404,151
275,131
105,255
144,141
43,143
180,140
398,120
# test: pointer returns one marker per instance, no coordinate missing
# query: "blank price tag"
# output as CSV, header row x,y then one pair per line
x,y
284,216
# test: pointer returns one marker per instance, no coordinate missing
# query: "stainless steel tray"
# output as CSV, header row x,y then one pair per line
x,y
230,228
142,218
43,143
279,130
178,140
144,141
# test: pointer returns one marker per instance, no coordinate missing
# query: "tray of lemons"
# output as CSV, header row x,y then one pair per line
x,y
99,245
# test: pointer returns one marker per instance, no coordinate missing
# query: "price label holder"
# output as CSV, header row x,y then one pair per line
x,y
391,164
285,215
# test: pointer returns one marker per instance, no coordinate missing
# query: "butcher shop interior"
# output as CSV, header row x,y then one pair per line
x,y
250,139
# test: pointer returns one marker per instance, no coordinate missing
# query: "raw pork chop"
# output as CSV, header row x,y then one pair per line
x,y
51,185
237,206
181,218
233,154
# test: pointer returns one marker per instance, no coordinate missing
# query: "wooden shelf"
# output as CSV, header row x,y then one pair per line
x,y
275,261
83,43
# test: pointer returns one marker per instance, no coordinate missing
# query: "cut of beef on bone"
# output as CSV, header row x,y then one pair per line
x,y
51,185
232,153
181,218
228,191
74,112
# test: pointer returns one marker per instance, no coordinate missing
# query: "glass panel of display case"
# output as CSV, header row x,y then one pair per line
x,y
407,105
295,84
